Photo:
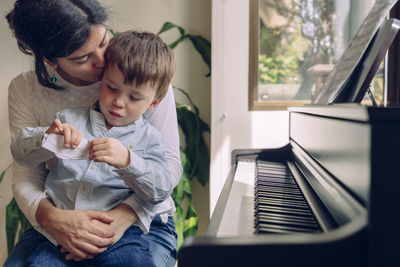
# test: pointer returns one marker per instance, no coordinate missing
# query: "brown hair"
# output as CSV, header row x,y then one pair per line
x,y
142,57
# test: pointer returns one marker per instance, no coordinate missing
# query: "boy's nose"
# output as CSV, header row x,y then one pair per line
x,y
118,102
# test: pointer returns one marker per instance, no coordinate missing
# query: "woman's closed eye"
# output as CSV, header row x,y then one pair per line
x,y
111,88
82,60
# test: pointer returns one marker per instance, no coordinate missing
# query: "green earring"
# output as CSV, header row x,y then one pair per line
x,y
53,78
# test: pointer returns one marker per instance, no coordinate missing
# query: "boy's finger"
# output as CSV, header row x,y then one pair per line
x,y
76,138
58,125
67,137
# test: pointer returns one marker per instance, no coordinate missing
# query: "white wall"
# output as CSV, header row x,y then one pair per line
x,y
193,15
232,125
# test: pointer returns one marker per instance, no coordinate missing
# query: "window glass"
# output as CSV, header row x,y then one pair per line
x,y
298,43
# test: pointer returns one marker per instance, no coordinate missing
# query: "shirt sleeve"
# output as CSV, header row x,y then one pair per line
x,y
164,119
145,215
149,175
28,183
26,147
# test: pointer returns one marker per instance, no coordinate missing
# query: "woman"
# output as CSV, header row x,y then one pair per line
x,y
68,39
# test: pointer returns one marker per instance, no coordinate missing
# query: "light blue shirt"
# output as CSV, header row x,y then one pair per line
x,y
85,184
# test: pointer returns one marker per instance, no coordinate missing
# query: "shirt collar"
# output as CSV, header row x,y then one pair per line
x,y
97,122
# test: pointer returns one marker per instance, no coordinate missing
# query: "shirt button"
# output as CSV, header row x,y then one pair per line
x,y
93,167
84,187
130,146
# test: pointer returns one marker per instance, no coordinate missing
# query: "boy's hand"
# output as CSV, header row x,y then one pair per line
x,y
109,150
72,136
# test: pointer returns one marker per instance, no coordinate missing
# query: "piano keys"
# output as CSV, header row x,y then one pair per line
x,y
328,198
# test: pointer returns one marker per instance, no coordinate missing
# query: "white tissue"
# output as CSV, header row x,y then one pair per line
x,y
55,143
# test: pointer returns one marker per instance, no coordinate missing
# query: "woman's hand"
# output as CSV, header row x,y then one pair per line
x,y
124,216
110,151
83,234
72,136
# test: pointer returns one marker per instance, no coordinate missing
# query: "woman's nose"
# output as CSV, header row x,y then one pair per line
x,y
99,60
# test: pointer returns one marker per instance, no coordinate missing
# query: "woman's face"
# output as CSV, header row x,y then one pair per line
x,y
85,66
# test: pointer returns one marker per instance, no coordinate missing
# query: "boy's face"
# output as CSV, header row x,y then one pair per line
x,y
121,104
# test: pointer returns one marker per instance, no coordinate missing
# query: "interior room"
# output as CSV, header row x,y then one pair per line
x,y
306,88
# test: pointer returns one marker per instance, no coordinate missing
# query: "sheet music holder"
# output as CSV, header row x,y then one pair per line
x,y
355,69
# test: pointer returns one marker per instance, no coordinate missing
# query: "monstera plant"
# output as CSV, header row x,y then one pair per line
x,y
195,156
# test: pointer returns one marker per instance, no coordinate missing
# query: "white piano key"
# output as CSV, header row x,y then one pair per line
x,y
239,216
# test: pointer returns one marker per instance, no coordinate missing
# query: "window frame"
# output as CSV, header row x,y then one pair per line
x,y
254,104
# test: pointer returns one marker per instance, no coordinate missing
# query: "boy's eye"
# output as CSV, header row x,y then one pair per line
x,y
134,98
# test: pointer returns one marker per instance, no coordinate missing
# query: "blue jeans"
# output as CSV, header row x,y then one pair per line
x,y
161,240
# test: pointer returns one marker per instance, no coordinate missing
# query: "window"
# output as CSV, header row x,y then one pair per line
x,y
294,45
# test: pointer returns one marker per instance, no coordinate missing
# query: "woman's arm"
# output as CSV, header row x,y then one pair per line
x,y
164,119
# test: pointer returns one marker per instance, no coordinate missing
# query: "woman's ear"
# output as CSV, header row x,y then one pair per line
x,y
50,63
154,104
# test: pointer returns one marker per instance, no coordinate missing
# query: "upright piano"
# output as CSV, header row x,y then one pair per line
x,y
330,197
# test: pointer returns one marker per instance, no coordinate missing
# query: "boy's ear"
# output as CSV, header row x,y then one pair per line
x,y
50,63
154,104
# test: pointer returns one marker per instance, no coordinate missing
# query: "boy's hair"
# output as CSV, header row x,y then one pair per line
x,y
142,57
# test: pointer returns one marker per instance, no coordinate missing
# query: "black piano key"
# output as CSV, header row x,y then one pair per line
x,y
276,184
284,217
271,163
282,173
279,205
260,193
275,178
285,210
266,200
272,202
300,224
283,190
264,227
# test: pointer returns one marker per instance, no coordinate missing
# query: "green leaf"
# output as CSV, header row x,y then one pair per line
x,y
16,224
191,222
174,44
178,218
203,46
2,175
113,33
169,25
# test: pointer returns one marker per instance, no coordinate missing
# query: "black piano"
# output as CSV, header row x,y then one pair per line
x,y
331,197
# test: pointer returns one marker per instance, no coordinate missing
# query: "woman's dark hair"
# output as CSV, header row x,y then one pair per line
x,y
53,28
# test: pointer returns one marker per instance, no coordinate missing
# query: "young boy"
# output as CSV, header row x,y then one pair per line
x,y
126,158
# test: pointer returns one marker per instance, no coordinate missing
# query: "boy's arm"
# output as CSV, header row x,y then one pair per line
x,y
149,175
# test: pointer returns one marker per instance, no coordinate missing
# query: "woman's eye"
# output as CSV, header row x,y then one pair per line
x,y
83,60
111,89
103,44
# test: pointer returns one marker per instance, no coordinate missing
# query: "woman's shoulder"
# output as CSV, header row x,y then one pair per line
x,y
24,82
25,77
